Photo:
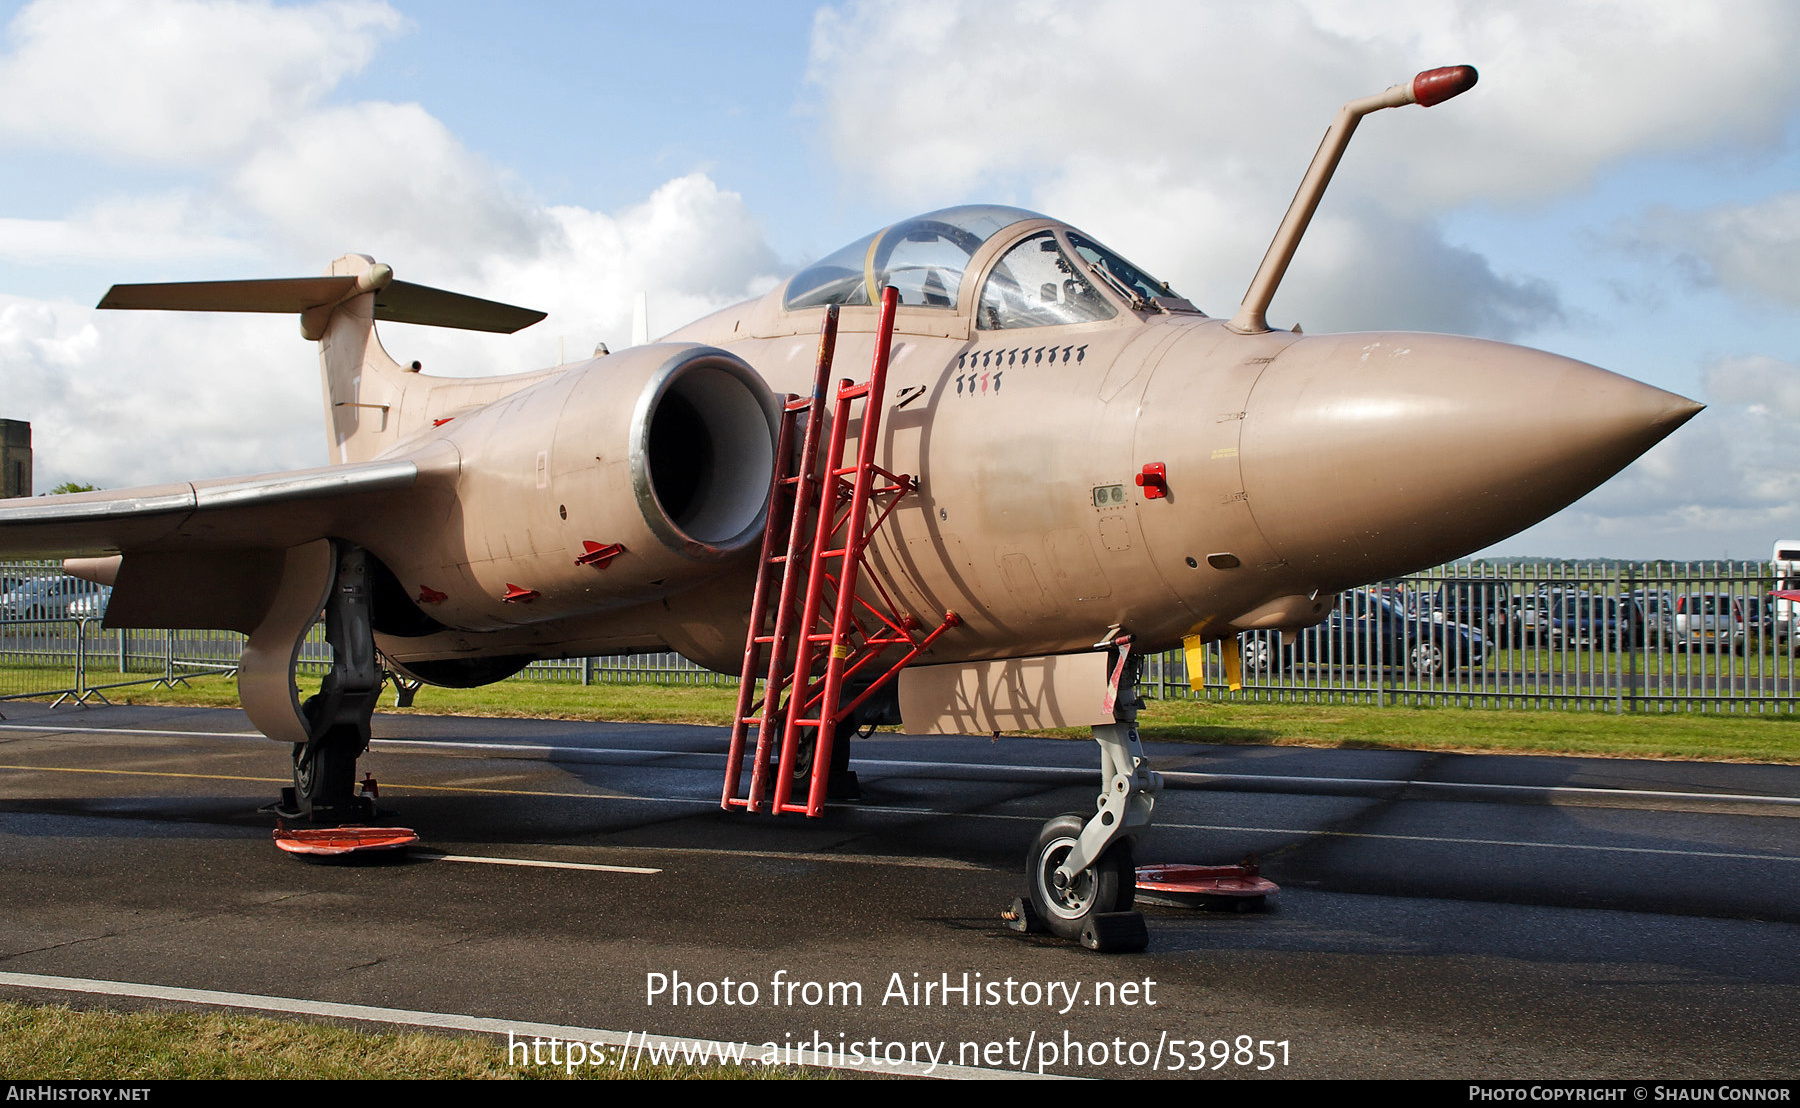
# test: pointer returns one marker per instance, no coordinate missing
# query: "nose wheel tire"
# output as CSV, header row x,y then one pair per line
x,y
1107,886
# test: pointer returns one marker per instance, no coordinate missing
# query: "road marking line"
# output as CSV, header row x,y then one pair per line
x,y
1370,835
450,1021
131,731
990,815
1191,778
1203,779
920,862
389,785
434,856
884,810
1181,777
152,773
1487,842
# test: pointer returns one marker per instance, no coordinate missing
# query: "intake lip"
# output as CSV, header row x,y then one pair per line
x,y
702,452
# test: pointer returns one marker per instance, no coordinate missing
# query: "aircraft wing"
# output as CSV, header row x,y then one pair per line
x,y
268,511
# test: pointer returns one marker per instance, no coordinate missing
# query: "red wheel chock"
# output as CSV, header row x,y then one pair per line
x,y
1240,887
343,840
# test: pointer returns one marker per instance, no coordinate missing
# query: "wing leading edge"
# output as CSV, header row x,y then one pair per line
x,y
276,510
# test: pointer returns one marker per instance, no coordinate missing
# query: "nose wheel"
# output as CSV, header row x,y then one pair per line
x,y
1080,875
1067,905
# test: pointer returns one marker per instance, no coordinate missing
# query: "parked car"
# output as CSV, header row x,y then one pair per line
x,y
1531,618
1482,602
48,597
1759,620
90,605
1365,627
1583,620
1657,609
1529,622
1708,621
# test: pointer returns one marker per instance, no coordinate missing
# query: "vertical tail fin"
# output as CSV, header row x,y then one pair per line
x,y
363,385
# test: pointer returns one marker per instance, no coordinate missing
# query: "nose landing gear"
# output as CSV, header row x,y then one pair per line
x,y
1080,874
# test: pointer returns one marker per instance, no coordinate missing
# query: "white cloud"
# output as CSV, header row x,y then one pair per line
x,y
1725,485
388,180
175,80
131,398
278,178
168,228
1571,87
939,95
1178,130
122,398
1746,248
1761,385
692,248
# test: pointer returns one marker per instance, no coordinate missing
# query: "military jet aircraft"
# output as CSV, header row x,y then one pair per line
x,y
1093,468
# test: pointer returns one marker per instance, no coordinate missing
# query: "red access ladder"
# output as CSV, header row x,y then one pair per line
x,y
798,620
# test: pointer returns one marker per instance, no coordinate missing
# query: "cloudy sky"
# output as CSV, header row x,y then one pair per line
x,y
1623,187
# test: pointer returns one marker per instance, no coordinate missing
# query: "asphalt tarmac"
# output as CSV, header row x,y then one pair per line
x,y
1449,916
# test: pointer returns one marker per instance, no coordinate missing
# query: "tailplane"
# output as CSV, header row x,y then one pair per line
x,y
363,384
315,299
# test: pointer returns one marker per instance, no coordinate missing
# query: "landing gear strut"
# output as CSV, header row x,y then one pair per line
x,y
1080,873
337,719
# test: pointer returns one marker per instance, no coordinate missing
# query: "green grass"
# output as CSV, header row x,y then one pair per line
x,y
1709,736
706,704
57,1043
1706,736
16,679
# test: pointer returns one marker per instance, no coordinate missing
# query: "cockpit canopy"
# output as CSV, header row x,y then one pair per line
x,y
1049,278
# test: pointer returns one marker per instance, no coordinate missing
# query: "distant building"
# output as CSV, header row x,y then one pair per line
x,y
15,457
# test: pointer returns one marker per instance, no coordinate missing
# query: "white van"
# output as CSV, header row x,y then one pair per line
x,y
1785,562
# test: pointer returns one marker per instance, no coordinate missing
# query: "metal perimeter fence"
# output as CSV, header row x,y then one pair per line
x,y
1622,638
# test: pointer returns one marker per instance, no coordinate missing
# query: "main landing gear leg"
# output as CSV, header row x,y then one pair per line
x,y
337,719
1081,872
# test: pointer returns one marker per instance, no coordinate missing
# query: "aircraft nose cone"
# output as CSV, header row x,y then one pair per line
x,y
1368,456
